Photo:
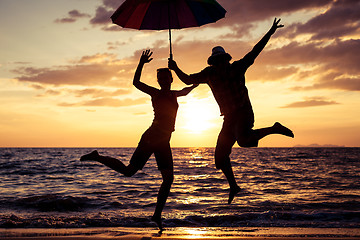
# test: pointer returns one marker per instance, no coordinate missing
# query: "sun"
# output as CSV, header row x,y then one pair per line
x,y
197,115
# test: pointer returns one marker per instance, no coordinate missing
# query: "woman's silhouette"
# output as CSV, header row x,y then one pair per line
x,y
156,138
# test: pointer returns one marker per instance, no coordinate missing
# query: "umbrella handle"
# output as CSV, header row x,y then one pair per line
x,y
171,55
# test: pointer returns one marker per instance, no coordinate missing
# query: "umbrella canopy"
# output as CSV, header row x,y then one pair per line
x,y
167,14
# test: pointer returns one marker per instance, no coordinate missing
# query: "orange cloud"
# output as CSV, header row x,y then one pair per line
x,y
97,73
95,92
340,20
240,12
334,66
106,102
311,102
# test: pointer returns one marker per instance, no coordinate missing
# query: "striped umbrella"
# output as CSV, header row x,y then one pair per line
x,y
167,14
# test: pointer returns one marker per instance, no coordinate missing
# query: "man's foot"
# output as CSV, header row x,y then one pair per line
x,y
93,156
232,193
279,128
158,222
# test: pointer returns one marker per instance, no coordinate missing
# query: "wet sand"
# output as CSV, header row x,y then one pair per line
x,y
180,233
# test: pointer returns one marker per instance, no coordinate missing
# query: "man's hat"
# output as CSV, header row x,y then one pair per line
x,y
218,51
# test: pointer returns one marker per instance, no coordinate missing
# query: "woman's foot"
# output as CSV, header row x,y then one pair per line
x,y
280,129
158,222
232,193
93,156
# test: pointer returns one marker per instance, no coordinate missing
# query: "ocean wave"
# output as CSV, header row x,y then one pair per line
x,y
247,219
54,202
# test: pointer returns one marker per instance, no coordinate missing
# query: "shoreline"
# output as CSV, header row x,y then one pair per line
x,y
179,233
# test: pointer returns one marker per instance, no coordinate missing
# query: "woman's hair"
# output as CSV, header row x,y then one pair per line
x,y
165,70
161,70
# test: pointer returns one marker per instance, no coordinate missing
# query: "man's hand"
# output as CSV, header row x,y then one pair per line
x,y
145,57
275,26
172,64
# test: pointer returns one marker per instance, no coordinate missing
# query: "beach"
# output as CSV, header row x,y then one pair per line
x,y
181,233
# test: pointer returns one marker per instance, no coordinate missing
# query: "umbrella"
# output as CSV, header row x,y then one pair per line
x,y
167,14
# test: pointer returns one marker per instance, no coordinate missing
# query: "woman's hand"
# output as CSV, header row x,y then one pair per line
x,y
145,56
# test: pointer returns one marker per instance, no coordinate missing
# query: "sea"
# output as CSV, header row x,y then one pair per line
x,y
281,187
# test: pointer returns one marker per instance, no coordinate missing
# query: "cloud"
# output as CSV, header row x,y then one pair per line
x,y
98,73
97,58
50,92
346,84
20,63
333,66
77,14
237,11
96,93
340,20
73,16
106,102
314,52
351,84
240,12
271,73
38,86
81,93
91,74
116,44
311,102
114,4
98,69
238,31
102,16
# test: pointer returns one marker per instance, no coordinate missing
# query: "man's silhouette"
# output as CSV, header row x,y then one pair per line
x,y
227,83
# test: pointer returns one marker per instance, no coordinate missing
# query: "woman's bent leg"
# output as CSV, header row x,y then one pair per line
x,y
110,162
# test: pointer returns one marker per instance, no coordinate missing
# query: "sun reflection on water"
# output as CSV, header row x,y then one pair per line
x,y
195,232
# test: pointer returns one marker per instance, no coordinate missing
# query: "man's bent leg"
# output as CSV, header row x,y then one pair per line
x,y
277,128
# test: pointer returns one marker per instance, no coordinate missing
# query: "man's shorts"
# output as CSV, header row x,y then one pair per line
x,y
237,127
157,141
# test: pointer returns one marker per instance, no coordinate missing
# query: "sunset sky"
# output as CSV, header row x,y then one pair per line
x,y
66,73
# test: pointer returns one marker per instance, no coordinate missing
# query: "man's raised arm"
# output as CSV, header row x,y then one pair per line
x,y
262,43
